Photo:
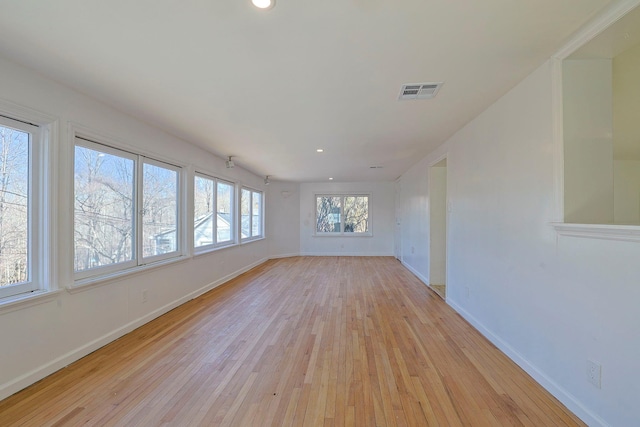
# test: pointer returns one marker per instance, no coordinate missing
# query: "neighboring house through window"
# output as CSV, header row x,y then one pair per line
x,y
213,216
251,212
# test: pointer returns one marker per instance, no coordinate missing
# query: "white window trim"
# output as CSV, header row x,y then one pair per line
x,y
197,250
99,275
262,219
34,208
87,283
43,268
342,233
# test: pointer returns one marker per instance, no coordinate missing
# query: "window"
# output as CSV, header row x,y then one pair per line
x,y
251,208
214,222
159,210
23,213
346,215
126,210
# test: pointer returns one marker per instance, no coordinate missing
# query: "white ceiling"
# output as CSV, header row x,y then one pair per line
x,y
269,87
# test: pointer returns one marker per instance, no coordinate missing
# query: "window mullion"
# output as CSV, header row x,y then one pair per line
x,y
214,205
139,214
251,213
238,213
32,233
342,220
34,214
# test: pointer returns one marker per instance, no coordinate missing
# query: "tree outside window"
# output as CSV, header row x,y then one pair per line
x,y
14,206
356,214
328,214
104,209
213,212
342,214
126,209
251,208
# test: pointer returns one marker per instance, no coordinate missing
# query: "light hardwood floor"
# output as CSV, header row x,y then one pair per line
x,y
307,341
440,290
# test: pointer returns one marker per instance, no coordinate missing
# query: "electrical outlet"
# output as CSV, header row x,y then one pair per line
x,y
594,373
145,295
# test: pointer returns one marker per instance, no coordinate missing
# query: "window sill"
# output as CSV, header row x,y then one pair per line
x,y
18,302
343,235
95,281
208,250
253,239
629,233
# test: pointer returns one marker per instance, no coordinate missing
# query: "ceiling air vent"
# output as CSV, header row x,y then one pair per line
x,y
419,90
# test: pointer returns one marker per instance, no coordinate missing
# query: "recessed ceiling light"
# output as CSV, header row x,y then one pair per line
x,y
263,4
330,179
320,150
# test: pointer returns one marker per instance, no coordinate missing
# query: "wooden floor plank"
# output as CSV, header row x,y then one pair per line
x,y
313,341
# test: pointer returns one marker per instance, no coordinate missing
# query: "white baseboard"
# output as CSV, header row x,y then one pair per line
x,y
416,273
31,377
551,386
284,255
215,284
43,371
350,254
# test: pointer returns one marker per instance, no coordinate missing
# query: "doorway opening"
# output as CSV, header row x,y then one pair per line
x,y
438,228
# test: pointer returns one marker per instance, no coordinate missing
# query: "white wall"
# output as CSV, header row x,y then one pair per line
x,y
626,104
382,211
626,178
550,302
626,136
39,339
588,141
283,219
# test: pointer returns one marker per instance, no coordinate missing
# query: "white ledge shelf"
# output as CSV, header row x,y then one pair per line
x,y
629,233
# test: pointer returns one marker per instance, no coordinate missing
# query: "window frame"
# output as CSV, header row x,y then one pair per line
x,y
109,268
261,235
33,208
138,262
139,197
342,232
233,217
42,204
